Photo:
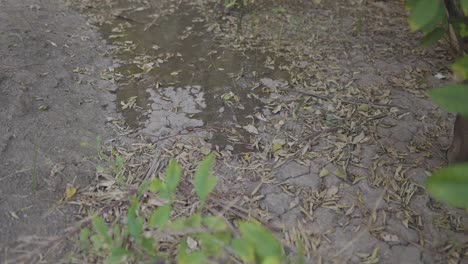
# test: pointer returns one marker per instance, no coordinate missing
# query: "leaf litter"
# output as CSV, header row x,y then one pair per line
x,y
323,115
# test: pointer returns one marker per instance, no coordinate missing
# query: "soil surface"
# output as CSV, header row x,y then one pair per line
x,y
47,112
317,111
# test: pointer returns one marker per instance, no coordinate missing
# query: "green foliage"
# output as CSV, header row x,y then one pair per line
x,y
452,97
426,15
460,68
432,37
160,216
204,180
450,185
173,174
266,249
464,6
200,238
429,16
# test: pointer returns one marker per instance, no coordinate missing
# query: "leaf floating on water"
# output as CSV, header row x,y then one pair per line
x,y
130,104
147,67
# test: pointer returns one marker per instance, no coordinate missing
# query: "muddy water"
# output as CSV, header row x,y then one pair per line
x,y
174,76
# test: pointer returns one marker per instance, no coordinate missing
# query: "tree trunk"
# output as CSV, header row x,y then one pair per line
x,y
458,151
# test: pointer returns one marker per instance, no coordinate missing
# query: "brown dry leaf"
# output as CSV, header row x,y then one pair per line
x,y
340,173
192,243
350,210
389,237
251,129
14,215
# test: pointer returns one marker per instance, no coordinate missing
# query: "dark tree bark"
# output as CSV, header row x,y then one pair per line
x,y
458,151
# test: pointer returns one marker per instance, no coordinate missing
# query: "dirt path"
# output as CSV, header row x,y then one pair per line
x,y
47,110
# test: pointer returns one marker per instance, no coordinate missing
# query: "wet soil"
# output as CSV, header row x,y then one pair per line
x,y
174,75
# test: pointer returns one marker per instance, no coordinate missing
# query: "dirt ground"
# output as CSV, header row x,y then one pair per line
x,y
46,111
335,148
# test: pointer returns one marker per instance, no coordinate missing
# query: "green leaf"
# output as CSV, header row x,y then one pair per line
x,y
210,244
300,252
179,224
117,255
453,98
271,260
214,223
460,26
97,241
119,234
84,237
194,221
182,250
410,4
213,244
424,13
204,181
157,185
144,186
183,257
147,244
450,185
460,68
160,216
440,20
135,223
100,227
243,250
265,243
193,258
173,173
119,162
432,37
464,6
182,223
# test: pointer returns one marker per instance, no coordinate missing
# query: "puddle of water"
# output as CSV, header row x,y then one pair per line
x,y
175,76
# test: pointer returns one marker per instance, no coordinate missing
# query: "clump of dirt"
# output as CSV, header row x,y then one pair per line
x,y
52,101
